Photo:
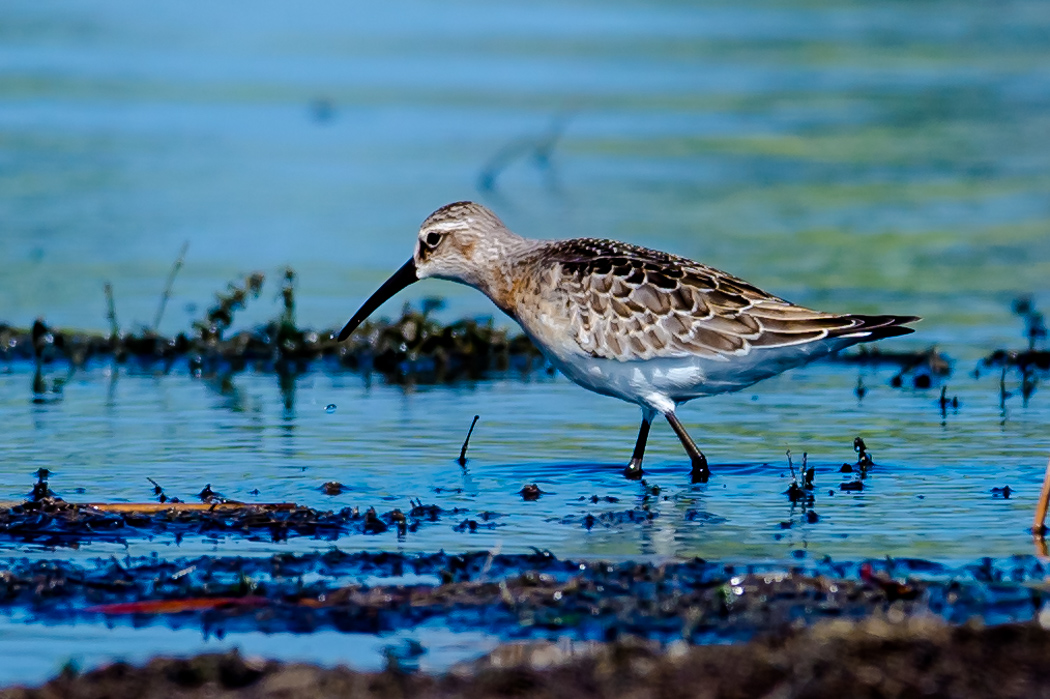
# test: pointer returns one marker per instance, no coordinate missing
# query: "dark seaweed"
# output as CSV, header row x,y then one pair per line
x,y
414,348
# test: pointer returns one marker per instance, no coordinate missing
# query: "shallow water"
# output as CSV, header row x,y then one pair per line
x,y
884,157
930,494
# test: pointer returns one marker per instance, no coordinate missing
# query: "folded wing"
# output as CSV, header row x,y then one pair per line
x,y
629,302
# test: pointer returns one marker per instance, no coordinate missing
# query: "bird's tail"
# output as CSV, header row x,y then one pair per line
x,y
870,328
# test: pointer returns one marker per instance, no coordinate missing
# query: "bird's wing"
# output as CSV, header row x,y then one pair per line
x,y
627,302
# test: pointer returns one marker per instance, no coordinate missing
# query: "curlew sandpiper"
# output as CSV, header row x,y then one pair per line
x,y
641,325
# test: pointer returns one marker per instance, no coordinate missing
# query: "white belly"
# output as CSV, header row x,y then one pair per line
x,y
662,383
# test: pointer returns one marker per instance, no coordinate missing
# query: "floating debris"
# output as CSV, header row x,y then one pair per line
x,y
864,460
46,519
530,492
159,492
333,488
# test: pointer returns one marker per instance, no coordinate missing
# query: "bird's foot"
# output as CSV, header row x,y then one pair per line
x,y
700,472
633,472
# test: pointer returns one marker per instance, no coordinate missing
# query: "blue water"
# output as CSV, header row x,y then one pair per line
x,y
876,157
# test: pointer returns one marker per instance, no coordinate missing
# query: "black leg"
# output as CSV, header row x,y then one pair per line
x,y
634,469
700,470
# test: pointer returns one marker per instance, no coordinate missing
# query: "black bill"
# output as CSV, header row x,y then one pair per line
x,y
400,279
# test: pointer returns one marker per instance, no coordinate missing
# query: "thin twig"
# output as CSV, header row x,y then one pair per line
x,y
1039,523
463,452
168,285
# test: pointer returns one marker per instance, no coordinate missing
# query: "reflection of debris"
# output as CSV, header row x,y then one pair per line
x,y
1030,364
1024,361
945,402
917,369
637,515
924,370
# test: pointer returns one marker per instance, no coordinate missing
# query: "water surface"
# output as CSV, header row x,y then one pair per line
x,y
878,157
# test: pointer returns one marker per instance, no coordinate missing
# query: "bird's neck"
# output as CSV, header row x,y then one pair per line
x,y
505,271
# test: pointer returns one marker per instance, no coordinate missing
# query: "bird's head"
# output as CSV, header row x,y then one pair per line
x,y
462,242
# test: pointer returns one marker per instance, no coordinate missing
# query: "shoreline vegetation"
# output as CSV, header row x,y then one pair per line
x,y
413,348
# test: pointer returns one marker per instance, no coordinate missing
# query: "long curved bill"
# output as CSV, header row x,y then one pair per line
x,y
398,281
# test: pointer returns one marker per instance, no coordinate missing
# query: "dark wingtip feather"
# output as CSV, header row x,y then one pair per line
x,y
878,327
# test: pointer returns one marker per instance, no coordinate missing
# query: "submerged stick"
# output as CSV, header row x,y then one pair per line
x,y
1039,523
463,452
169,284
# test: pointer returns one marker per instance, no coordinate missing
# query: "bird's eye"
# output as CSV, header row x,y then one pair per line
x,y
433,239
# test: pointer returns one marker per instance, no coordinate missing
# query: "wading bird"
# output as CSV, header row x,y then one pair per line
x,y
640,325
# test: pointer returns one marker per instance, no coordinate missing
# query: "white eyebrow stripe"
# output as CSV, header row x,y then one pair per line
x,y
448,226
